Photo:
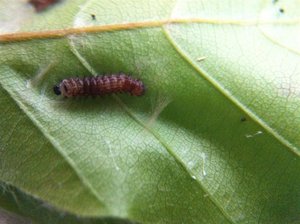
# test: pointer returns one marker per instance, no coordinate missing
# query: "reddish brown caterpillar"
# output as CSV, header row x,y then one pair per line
x,y
99,86
41,5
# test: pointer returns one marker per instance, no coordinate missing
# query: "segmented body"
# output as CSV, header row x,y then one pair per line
x,y
100,85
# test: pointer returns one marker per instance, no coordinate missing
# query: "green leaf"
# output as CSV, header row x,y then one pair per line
x,y
215,139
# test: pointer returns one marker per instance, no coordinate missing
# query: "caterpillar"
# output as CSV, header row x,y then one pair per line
x,y
99,86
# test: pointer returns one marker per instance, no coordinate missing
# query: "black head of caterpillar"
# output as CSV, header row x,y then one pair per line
x,y
56,90
99,86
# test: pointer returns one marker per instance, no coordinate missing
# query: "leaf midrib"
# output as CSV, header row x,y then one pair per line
x,y
61,33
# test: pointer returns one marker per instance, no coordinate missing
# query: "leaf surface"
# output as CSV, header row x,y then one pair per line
x,y
214,140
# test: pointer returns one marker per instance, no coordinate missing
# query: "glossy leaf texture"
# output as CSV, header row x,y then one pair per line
x,y
215,139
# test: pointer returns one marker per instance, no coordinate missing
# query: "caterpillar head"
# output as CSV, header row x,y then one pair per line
x,y
56,90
